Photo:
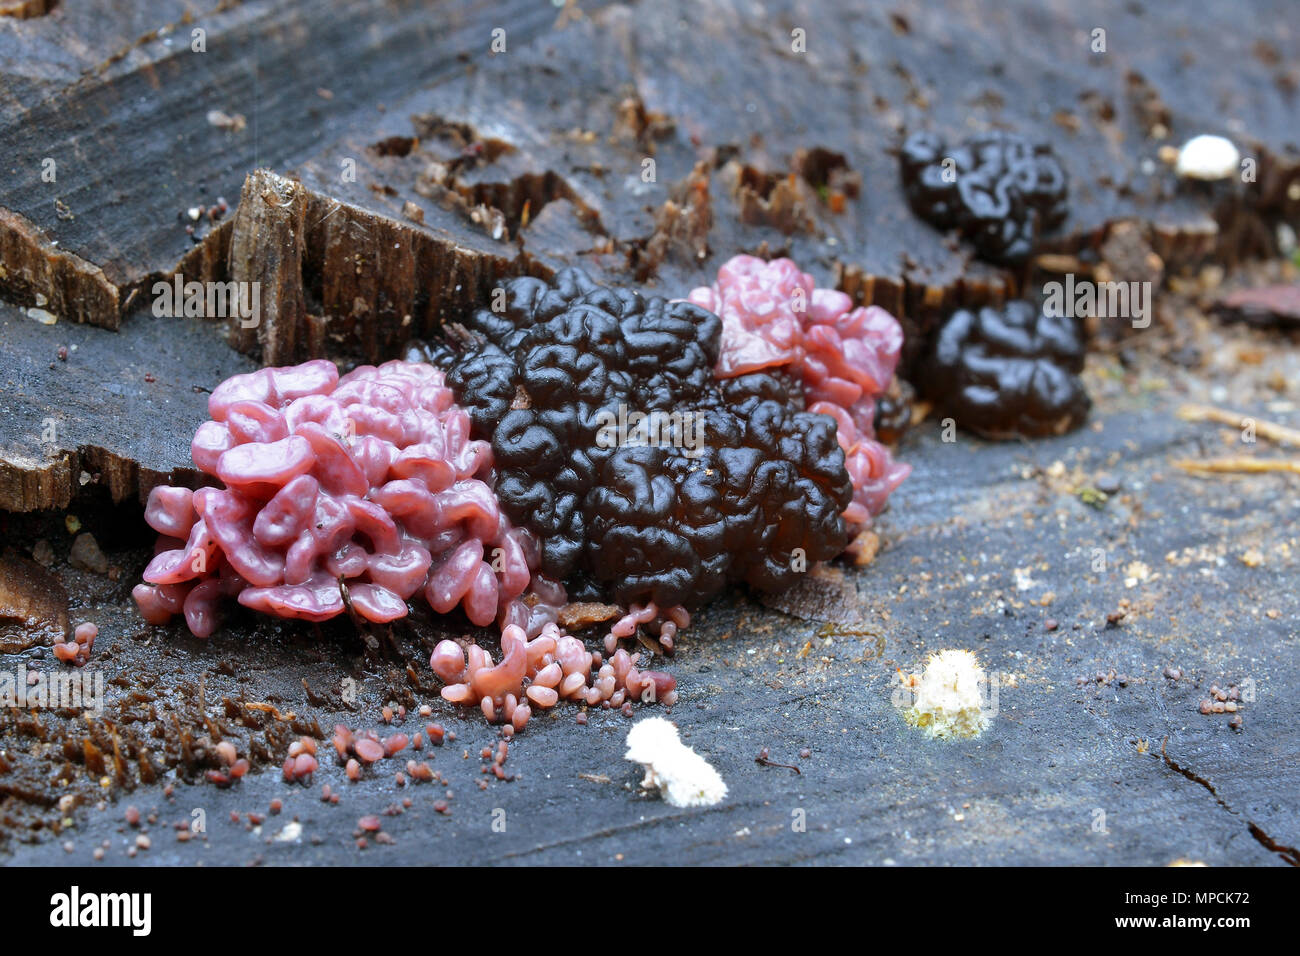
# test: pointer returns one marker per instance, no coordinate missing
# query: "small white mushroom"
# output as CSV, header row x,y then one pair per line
x,y
682,777
1208,158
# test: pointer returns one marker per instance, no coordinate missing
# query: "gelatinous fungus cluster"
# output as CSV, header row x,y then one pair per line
x,y
540,672
1008,372
775,318
354,492
619,449
1001,191
630,447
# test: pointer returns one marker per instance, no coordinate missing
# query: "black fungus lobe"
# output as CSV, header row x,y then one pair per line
x,y
1001,191
1008,372
738,482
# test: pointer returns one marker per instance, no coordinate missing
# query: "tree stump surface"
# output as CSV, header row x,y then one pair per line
x,y
470,167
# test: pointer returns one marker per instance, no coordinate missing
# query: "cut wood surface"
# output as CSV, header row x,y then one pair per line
x,y
424,167
140,127
985,546
382,169
121,406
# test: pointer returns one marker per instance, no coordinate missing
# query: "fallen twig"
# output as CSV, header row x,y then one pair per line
x,y
1207,413
763,761
1238,465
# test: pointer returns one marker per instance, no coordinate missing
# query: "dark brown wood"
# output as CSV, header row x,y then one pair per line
x,y
22,9
266,250
33,605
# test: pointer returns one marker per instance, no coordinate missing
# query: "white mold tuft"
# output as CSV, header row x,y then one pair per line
x,y
681,776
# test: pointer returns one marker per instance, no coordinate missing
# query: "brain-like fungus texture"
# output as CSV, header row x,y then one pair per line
x,y
620,451
1001,191
776,321
1009,372
355,492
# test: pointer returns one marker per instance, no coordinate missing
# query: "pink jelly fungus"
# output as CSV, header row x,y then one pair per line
x,y
352,493
540,672
355,494
77,650
773,315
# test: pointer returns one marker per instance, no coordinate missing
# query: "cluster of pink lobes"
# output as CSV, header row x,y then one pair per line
x,y
773,315
540,672
365,488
